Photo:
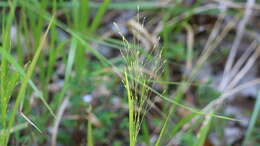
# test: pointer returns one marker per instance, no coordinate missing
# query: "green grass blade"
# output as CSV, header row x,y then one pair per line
x,y
158,141
253,120
31,123
84,14
202,135
99,16
70,62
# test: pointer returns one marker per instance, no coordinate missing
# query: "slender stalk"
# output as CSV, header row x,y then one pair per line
x,y
131,111
90,136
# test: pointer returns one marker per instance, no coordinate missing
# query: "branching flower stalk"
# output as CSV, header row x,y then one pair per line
x,y
142,67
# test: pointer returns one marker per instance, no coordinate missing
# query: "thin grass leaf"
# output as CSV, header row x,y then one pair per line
x,y
202,134
101,11
162,131
84,14
68,71
253,120
30,122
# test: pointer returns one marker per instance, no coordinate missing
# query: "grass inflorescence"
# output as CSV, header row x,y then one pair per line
x,y
68,78
138,73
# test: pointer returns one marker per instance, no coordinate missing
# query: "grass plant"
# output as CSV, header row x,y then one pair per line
x,y
143,69
51,54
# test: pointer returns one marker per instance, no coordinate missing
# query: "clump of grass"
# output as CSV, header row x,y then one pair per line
x,y
141,69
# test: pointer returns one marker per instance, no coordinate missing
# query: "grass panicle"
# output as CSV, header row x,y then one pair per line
x,y
142,67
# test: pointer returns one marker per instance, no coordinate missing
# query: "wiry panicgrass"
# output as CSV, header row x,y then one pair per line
x,y
143,69
139,72
138,94
23,81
